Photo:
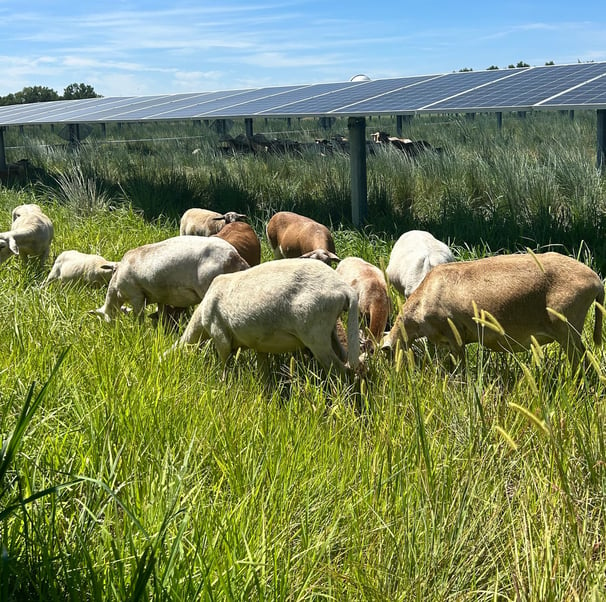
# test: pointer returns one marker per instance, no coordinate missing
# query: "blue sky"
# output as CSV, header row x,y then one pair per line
x,y
129,47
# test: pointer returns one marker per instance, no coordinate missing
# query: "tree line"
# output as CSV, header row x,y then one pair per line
x,y
519,65
43,94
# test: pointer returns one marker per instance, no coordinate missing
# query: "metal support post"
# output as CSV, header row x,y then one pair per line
x,y
357,155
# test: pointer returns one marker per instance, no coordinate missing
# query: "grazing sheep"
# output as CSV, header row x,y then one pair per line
x,y
373,297
279,307
293,235
73,266
414,254
244,239
408,146
175,272
504,302
30,235
204,222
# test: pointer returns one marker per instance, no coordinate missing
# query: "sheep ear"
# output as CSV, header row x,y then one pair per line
x,y
216,219
12,244
110,266
333,257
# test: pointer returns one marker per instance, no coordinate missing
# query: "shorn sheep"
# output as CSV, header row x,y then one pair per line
x,y
204,222
279,307
244,239
30,235
504,302
175,272
74,266
373,296
293,235
414,254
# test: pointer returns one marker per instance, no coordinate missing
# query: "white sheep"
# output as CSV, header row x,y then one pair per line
x,y
71,266
175,272
204,222
415,253
503,302
293,235
30,235
279,307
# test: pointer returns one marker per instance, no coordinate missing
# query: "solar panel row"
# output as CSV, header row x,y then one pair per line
x,y
581,85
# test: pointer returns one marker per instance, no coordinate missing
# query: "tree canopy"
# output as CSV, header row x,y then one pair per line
x,y
76,91
44,94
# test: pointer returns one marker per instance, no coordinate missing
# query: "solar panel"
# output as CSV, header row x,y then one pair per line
x,y
425,92
32,113
582,85
587,95
326,103
284,101
163,106
240,105
120,110
528,88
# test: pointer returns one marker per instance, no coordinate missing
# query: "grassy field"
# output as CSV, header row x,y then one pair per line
x,y
124,477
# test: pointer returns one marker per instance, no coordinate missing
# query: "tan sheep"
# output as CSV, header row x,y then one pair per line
x,y
373,297
175,272
503,302
204,222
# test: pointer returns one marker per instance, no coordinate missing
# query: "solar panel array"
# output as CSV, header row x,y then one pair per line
x,y
577,86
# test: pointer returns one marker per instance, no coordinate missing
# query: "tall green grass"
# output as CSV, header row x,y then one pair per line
x,y
479,484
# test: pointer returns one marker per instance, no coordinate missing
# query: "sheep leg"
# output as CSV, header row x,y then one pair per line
x,y
194,332
328,359
44,257
223,345
263,368
457,356
138,303
570,340
338,335
112,304
50,278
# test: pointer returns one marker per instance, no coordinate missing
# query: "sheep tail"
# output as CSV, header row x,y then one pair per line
x,y
353,333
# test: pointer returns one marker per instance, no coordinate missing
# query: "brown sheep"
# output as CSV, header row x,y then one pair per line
x,y
244,239
293,235
503,302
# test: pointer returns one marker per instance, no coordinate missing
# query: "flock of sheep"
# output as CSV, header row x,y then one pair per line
x,y
505,302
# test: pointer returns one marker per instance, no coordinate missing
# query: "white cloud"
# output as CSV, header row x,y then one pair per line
x,y
193,81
